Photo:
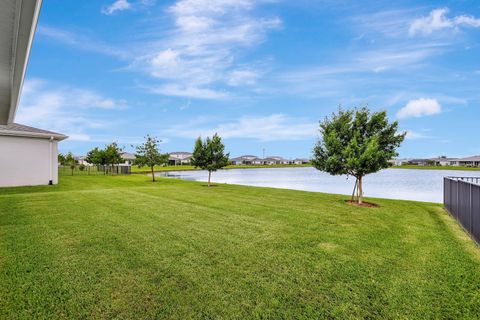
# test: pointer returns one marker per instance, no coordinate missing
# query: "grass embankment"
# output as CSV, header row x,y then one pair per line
x,y
136,169
460,168
123,247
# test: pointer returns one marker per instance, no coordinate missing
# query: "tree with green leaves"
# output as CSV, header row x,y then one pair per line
x,y
70,161
113,155
356,142
61,159
148,154
97,157
209,155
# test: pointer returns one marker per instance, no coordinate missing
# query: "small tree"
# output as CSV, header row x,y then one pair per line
x,y
356,142
61,159
113,154
209,155
97,157
70,161
148,154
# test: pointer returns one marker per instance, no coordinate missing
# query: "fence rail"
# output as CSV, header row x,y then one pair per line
x,y
93,170
461,198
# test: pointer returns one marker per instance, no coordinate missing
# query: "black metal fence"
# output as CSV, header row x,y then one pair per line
x,y
93,170
461,197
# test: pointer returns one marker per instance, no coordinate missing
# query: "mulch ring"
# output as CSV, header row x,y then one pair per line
x,y
364,204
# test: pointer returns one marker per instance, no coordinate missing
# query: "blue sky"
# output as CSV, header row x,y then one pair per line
x,y
261,73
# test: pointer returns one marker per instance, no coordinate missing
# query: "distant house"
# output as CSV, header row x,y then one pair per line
x,y
442,161
273,160
81,160
419,162
258,161
300,161
398,162
270,160
128,158
179,158
473,161
245,160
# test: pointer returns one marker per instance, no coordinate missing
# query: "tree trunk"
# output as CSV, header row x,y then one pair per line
x,y
354,189
356,192
209,176
360,191
153,175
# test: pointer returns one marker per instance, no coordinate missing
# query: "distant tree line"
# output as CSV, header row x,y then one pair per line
x,y
108,157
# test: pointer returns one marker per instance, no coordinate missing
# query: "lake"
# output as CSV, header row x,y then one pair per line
x,y
406,184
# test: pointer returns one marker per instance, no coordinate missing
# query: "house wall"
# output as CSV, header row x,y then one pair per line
x,y
27,161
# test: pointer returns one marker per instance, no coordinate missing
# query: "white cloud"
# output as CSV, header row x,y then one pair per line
x,y
360,71
419,108
438,20
177,90
397,58
118,5
198,54
388,23
64,109
415,135
80,41
241,77
200,51
276,127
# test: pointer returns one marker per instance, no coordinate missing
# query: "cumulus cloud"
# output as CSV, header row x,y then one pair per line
x,y
64,109
419,108
438,20
119,5
264,128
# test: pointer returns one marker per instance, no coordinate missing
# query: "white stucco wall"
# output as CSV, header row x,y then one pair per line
x,y
27,161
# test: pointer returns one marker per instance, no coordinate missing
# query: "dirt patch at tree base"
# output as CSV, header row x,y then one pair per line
x,y
364,204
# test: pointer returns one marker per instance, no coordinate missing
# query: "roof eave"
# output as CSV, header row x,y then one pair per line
x,y
23,38
54,136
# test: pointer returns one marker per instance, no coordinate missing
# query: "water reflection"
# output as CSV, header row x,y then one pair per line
x,y
407,184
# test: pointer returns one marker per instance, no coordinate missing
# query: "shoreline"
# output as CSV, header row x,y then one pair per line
x,y
229,167
234,167
452,168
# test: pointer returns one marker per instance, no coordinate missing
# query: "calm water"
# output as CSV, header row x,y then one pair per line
x,y
407,184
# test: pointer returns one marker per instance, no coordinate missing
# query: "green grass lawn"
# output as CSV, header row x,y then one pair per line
x,y
123,247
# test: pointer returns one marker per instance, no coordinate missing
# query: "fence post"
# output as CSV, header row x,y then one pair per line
x,y
444,191
470,209
450,205
449,195
458,183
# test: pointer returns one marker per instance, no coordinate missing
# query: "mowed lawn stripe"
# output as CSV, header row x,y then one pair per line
x,y
129,248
